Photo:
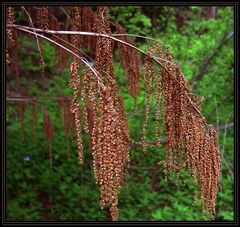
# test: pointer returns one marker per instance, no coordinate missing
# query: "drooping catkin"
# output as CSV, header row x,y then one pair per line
x,y
11,44
110,133
49,132
184,123
11,39
64,103
74,84
131,62
75,15
153,87
110,151
88,18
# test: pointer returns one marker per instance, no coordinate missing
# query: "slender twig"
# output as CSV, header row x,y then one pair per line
x,y
31,22
64,11
217,116
29,99
133,35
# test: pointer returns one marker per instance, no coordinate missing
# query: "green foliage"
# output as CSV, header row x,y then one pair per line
x,y
131,19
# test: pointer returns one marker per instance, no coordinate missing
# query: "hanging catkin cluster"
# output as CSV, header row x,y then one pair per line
x,y
49,132
130,61
110,138
88,18
34,114
64,103
189,140
75,15
74,84
12,46
11,42
153,87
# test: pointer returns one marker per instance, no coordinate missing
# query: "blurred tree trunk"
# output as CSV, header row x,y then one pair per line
x,y
209,12
153,13
180,16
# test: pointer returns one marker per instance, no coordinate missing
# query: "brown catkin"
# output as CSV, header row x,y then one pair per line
x,y
11,41
12,46
184,123
49,132
131,62
75,14
110,137
88,18
74,84
68,119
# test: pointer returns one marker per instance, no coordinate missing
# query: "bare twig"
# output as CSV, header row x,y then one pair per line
x,y
27,29
64,11
31,22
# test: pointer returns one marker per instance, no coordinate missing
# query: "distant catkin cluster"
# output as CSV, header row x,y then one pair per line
x,y
11,42
49,132
64,102
34,114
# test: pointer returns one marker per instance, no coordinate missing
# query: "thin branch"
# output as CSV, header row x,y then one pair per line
x,y
29,99
31,22
217,116
133,35
138,36
226,126
20,27
64,11
92,34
